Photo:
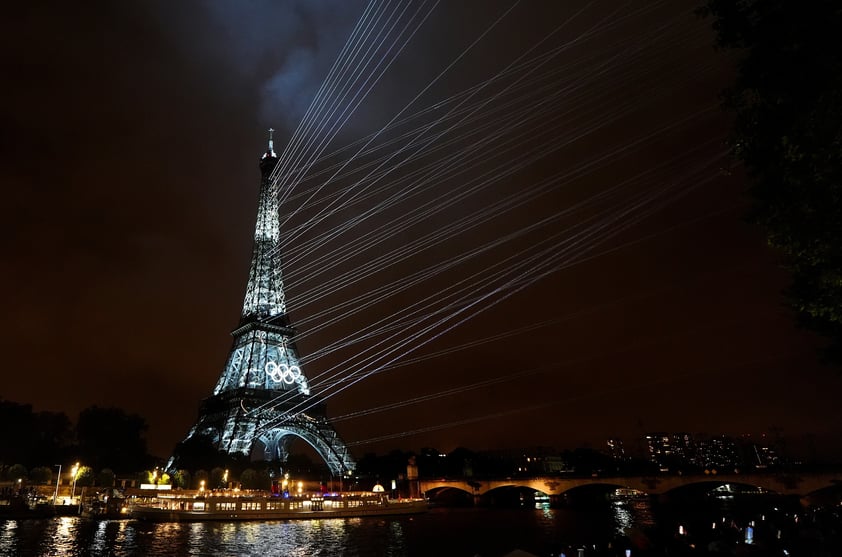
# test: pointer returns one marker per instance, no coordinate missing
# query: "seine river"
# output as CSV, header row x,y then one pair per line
x,y
609,528
441,532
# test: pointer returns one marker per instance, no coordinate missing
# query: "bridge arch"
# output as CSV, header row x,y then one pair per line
x,y
513,495
450,496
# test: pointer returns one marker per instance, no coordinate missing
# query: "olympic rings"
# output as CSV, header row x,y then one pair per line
x,y
282,372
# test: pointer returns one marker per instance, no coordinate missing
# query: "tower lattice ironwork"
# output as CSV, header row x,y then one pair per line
x,y
262,400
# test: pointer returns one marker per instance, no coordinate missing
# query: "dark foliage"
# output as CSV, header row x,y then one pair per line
x,y
109,437
302,466
103,438
32,438
787,103
584,461
382,468
197,452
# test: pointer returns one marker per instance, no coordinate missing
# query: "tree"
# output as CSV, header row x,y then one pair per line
x,y
32,438
249,478
200,478
787,103
105,478
199,451
218,478
41,475
17,472
181,478
85,476
302,466
53,435
460,462
109,437
586,461
16,429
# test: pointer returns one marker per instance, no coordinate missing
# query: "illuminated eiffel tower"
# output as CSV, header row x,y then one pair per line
x,y
262,400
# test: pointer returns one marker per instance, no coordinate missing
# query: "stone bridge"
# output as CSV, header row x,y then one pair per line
x,y
781,483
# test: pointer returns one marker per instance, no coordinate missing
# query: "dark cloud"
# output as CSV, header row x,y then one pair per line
x,y
280,51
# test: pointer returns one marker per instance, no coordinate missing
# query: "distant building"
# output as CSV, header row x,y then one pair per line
x,y
760,452
670,450
532,461
763,453
615,449
718,453
721,453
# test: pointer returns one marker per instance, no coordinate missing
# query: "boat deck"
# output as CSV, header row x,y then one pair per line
x,y
227,506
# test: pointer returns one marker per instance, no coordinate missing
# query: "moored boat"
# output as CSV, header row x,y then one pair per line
x,y
230,506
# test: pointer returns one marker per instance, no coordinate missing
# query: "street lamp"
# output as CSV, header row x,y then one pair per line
x,y
58,479
202,486
73,472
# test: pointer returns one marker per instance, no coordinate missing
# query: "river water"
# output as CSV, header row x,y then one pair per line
x,y
609,528
441,532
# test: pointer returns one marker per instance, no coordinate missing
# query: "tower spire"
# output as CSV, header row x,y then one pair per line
x,y
271,151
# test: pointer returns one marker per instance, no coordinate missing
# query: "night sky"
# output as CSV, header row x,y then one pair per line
x,y
638,297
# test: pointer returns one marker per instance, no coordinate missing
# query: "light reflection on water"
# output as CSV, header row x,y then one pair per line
x,y
62,535
295,538
98,544
7,533
398,537
394,537
441,532
624,518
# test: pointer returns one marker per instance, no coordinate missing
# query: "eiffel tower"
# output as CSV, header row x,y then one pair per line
x,y
262,399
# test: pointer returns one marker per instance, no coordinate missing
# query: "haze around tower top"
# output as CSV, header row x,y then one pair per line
x,y
571,176
285,45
